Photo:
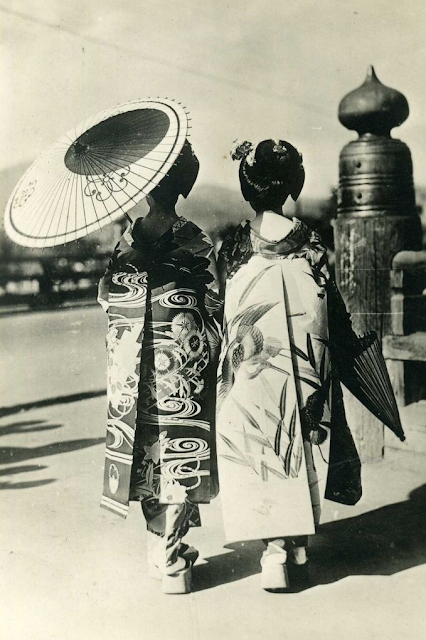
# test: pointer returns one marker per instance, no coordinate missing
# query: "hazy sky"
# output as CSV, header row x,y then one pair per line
x,y
253,69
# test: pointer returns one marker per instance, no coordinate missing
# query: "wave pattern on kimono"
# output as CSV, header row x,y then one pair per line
x,y
275,386
162,343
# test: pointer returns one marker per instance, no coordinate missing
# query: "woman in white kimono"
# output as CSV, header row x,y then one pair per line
x,y
282,437
160,292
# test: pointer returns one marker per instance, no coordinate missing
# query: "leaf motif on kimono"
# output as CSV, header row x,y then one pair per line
x,y
234,448
297,457
322,365
311,354
276,473
252,285
253,313
243,463
271,416
277,441
254,438
150,476
247,415
264,471
292,427
313,384
287,458
283,398
307,371
298,352
268,388
247,446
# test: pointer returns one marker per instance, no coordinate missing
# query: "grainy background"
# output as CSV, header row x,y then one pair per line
x,y
252,69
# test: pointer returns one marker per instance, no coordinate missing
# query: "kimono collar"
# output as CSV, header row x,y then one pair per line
x,y
182,252
291,242
138,242
238,247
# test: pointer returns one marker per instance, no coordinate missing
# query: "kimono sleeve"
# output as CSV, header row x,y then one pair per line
x,y
342,336
105,281
213,301
122,247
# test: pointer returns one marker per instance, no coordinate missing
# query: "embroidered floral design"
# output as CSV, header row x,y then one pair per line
x,y
194,344
239,150
250,159
174,492
155,451
182,324
165,360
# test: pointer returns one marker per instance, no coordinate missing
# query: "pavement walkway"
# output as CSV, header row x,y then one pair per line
x,y
71,570
74,570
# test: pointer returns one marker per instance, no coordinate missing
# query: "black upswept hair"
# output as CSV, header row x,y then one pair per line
x,y
270,172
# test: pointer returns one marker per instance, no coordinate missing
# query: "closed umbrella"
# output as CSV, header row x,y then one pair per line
x,y
362,369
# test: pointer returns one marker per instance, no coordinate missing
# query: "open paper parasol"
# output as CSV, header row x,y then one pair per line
x,y
365,374
96,173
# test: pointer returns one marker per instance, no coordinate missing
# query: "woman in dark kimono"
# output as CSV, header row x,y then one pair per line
x,y
282,438
160,292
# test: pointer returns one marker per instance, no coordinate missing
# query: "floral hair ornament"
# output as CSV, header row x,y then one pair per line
x,y
240,150
279,147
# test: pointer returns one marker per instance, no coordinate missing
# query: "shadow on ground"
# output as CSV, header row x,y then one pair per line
x,y
11,471
25,485
229,567
16,455
50,402
381,542
9,455
30,426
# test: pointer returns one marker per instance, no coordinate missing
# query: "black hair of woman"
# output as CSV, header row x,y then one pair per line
x,y
269,172
179,180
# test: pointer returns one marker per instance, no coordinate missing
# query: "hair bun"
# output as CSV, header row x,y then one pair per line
x,y
271,166
240,149
277,159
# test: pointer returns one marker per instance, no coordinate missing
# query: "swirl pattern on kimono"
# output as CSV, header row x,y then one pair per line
x,y
172,421
184,407
181,298
121,432
183,460
187,447
136,285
